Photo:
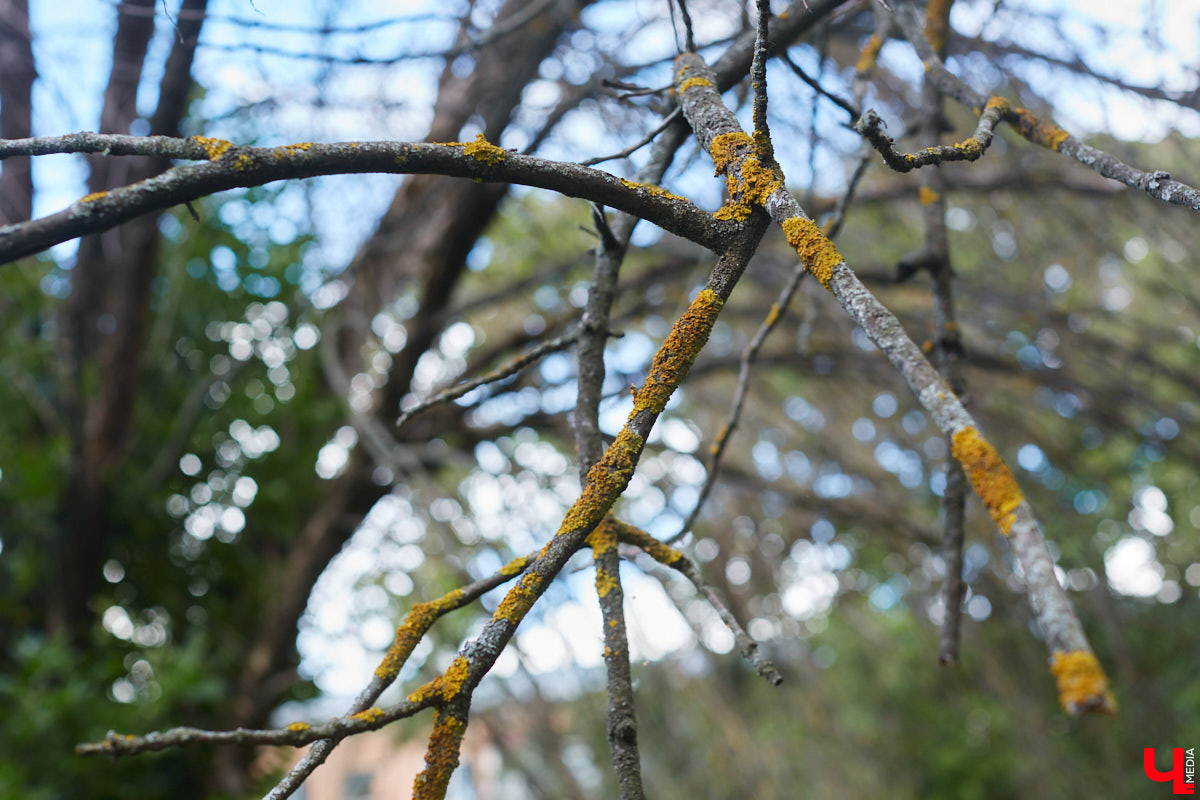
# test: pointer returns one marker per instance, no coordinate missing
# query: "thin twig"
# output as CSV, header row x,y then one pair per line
x,y
947,343
870,126
505,370
633,148
838,101
668,556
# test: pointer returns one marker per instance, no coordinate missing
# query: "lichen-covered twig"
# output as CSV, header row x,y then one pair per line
x,y
226,166
1082,683
606,481
870,127
297,734
669,556
416,623
1157,184
749,355
499,373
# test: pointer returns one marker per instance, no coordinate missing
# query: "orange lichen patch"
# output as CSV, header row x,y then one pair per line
x,y
674,359
420,617
870,52
605,581
651,189
292,149
971,148
773,314
243,162
937,20
928,196
88,198
663,554
484,151
989,475
817,253
603,537
455,676
724,149
755,185
927,346
427,690
605,481
1082,684
296,727
514,567
215,148
719,439
691,82
441,759
519,600
370,715
996,101
1036,130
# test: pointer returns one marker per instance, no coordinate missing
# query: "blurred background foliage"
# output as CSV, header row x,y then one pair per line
x,y
1078,309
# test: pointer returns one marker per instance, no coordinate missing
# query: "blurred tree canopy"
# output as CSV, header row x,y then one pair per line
x,y
210,517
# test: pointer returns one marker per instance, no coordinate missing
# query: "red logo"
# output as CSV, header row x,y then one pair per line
x,y
1183,769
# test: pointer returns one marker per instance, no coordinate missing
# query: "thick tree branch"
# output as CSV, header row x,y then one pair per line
x,y
231,167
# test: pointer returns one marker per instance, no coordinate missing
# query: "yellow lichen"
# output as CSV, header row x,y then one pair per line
x,y
514,567
215,148
971,148
441,758
928,196
719,439
603,537
296,727
937,20
484,151
674,359
1082,684
409,632
989,475
1036,130
605,481
870,51
690,82
996,101
749,186
605,581
370,715
520,599
773,314
427,690
816,252
663,554
455,676
292,149
724,149
243,162
88,198
651,189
